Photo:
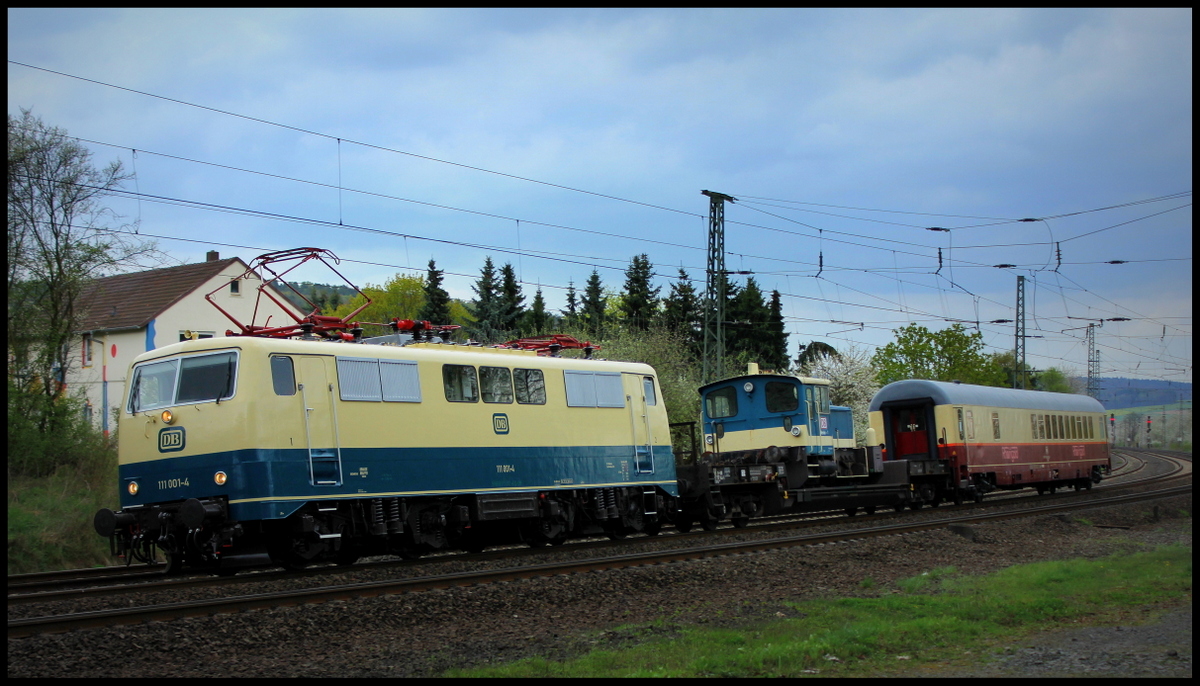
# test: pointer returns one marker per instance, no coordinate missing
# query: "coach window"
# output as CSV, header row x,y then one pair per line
x,y
495,384
996,425
530,386
721,403
283,375
459,381
782,397
1089,428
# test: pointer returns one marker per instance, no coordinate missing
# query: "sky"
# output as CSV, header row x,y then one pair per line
x,y
563,141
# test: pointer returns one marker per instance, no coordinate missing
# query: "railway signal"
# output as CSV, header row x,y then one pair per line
x,y
1147,423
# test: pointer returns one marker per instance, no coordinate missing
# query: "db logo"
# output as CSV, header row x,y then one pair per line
x,y
500,423
171,439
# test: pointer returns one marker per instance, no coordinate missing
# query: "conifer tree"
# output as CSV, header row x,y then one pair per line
x,y
487,306
640,301
537,319
681,311
572,312
593,305
511,301
437,301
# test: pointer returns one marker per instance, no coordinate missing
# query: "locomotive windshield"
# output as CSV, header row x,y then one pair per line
x,y
782,397
188,380
721,403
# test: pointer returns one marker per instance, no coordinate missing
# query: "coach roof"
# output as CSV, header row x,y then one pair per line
x,y
945,393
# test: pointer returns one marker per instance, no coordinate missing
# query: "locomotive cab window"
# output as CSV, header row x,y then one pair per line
x,y
283,375
460,383
530,386
648,390
782,397
196,379
207,377
495,384
153,385
721,403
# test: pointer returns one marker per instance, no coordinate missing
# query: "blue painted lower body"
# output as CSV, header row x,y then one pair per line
x,y
271,484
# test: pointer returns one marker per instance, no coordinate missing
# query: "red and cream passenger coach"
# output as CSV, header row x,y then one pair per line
x,y
990,437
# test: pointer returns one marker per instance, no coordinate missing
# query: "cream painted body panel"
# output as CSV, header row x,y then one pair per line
x,y
256,418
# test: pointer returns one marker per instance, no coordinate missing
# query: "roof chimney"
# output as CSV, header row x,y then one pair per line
x,y
213,256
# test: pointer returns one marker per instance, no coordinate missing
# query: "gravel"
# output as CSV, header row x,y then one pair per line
x,y
559,617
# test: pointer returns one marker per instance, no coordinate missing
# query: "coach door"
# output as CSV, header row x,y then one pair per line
x,y
966,431
639,396
320,421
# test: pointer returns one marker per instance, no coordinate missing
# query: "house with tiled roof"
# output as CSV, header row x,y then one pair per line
x,y
129,314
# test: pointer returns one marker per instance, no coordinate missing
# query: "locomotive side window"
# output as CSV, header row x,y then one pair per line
x,y
593,389
996,425
153,386
208,377
823,399
358,379
648,390
283,375
496,384
460,383
721,403
530,386
401,384
782,397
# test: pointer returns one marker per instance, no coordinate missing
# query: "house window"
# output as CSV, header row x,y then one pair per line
x,y
235,287
87,350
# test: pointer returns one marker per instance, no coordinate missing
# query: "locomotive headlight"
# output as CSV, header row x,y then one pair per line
x,y
168,416
133,488
220,478
708,439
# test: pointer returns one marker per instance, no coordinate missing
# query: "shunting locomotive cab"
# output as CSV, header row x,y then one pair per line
x,y
775,442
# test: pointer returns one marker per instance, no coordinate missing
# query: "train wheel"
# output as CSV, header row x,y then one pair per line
x,y
899,507
174,562
958,496
869,509
916,504
683,525
851,511
740,522
708,524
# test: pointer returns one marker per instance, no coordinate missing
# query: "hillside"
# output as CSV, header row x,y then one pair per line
x,y
1120,392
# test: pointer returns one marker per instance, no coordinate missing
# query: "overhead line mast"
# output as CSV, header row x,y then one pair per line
x,y
714,289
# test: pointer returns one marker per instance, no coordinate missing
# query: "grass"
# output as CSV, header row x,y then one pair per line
x,y
933,618
50,520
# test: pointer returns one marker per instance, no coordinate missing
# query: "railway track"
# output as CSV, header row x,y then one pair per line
x,y
169,611
111,581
